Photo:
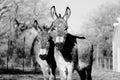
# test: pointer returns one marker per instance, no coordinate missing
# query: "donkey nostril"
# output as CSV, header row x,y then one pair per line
x,y
59,45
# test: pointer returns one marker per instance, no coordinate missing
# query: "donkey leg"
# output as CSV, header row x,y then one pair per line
x,y
51,73
70,70
44,69
54,73
62,72
69,76
82,74
51,77
45,74
88,72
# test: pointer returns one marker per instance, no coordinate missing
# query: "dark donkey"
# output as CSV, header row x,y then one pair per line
x,y
71,52
43,49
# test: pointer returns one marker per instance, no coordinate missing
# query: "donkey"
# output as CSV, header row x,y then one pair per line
x,y
43,49
71,52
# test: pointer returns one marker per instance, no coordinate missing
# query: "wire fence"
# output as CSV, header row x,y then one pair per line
x,y
104,63
24,65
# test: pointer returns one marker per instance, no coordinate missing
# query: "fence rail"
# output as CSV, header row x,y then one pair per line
x,y
102,63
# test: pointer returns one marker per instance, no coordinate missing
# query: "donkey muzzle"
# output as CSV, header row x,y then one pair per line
x,y
43,54
59,46
43,57
59,39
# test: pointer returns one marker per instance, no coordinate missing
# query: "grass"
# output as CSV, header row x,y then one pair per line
x,y
96,74
18,71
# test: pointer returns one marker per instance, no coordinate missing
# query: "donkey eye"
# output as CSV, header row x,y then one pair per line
x,y
66,28
53,29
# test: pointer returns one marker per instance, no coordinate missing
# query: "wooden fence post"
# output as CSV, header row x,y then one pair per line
x,y
24,55
97,57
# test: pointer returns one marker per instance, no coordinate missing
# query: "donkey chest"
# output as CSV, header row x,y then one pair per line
x,y
61,61
42,63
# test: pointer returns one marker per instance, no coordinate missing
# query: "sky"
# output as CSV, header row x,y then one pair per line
x,y
80,11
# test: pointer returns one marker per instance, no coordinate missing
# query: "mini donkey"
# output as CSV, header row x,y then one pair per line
x,y
43,49
71,52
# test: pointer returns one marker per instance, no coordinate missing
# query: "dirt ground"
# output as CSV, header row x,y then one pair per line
x,y
105,75
96,74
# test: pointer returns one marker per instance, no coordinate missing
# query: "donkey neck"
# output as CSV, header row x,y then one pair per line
x,y
68,47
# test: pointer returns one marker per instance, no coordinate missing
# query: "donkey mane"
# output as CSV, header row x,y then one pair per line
x,y
50,58
32,47
69,46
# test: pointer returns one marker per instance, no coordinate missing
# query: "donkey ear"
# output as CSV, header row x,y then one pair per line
x,y
53,12
36,26
67,13
49,29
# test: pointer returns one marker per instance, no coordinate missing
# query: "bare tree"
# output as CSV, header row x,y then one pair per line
x,y
102,21
16,21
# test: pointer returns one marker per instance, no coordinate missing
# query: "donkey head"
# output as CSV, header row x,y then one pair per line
x,y
59,26
42,43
